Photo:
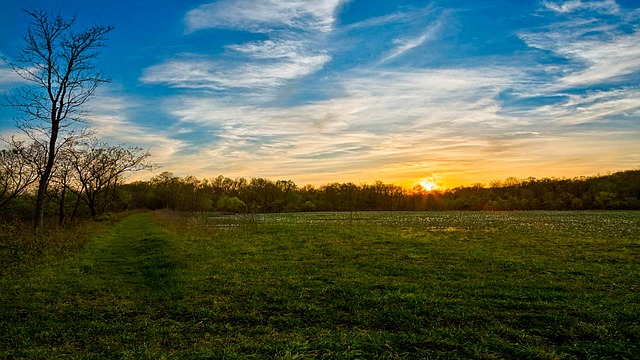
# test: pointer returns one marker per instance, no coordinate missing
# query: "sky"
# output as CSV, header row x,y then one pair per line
x,y
321,91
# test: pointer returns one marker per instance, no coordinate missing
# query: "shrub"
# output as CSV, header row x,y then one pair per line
x,y
230,204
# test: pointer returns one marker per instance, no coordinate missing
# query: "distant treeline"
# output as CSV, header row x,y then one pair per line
x,y
620,190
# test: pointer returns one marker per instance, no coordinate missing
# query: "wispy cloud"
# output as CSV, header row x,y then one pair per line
x,y
295,48
404,45
605,57
605,6
8,77
605,60
197,72
264,16
187,71
378,21
421,117
596,108
111,118
407,15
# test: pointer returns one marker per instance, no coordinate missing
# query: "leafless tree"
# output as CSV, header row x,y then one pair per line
x,y
62,179
18,168
59,63
100,167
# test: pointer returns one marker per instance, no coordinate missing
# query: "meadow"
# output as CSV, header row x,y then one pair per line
x,y
477,285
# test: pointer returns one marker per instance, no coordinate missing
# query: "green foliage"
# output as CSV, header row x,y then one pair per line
x,y
230,204
308,206
616,191
542,285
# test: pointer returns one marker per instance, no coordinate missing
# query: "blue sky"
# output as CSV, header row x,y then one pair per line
x,y
338,90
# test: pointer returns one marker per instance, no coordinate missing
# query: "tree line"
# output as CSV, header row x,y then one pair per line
x,y
619,190
90,181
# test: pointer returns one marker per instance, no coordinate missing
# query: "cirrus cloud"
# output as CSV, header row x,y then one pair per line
x,y
264,16
295,48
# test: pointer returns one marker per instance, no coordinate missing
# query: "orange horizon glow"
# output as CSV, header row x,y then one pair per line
x,y
430,184
433,181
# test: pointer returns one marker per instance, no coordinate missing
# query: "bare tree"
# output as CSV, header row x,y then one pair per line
x,y
99,168
62,178
18,168
60,65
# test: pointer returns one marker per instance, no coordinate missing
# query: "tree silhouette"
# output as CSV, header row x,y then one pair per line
x,y
59,64
18,169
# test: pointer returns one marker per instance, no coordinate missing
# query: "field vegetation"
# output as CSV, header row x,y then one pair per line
x,y
542,285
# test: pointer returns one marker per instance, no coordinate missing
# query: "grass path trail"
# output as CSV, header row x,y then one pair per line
x,y
136,258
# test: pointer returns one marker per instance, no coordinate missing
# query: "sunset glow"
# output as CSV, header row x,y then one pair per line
x,y
429,185
357,91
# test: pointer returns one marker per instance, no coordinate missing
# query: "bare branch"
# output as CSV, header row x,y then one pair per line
x,y
59,63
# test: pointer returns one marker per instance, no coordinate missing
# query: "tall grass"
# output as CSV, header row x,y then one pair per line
x,y
22,247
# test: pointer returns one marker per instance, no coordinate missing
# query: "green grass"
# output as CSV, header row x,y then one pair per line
x,y
541,285
21,247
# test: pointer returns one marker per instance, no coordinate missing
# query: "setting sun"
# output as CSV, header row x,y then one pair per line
x,y
429,185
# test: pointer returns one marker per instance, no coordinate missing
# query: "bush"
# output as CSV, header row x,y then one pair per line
x,y
230,204
107,216
308,206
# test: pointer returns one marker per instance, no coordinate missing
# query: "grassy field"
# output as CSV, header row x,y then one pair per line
x,y
453,285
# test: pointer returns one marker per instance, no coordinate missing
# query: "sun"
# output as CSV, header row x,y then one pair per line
x,y
429,185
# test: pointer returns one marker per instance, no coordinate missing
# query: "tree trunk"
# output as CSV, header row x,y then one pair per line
x,y
74,213
42,189
61,207
46,174
91,202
